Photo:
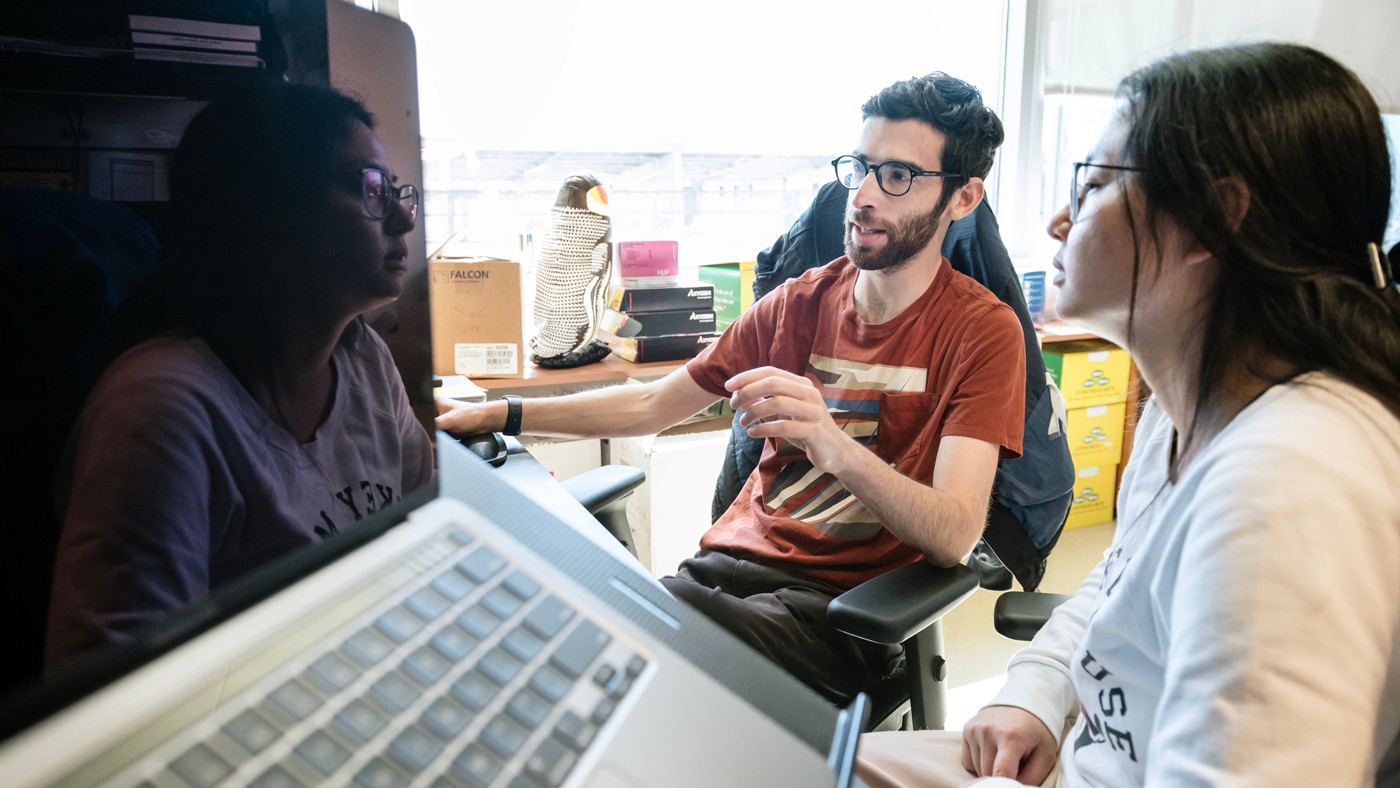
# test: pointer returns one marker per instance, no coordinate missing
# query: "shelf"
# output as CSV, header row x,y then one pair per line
x,y
120,76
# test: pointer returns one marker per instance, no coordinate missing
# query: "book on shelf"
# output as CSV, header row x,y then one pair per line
x,y
665,348
193,56
194,27
656,324
143,38
657,299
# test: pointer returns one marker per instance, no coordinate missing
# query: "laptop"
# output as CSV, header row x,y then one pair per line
x,y
466,637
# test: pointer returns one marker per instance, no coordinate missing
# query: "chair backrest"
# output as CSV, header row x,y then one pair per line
x,y
1032,494
66,262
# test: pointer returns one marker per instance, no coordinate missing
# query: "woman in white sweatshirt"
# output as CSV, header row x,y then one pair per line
x,y
1244,626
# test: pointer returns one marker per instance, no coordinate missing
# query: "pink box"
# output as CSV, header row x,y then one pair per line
x,y
643,263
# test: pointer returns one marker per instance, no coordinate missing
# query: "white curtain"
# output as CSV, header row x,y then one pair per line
x,y
1091,44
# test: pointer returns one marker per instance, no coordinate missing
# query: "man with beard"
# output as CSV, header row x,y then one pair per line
x,y
886,386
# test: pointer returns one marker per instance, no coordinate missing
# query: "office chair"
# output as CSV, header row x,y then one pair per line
x,y
1019,615
906,606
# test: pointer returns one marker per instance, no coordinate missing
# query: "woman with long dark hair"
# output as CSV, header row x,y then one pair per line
x,y
253,410
1243,626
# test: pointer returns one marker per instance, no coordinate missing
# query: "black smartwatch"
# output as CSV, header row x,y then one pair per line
x,y
513,409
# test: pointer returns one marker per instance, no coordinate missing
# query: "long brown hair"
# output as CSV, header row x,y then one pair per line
x,y
243,180
1306,139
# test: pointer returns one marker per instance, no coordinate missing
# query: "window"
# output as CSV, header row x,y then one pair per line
x,y
1072,128
1076,51
713,128
1392,228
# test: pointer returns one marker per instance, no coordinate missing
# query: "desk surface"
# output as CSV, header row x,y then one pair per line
x,y
612,369
1058,331
539,381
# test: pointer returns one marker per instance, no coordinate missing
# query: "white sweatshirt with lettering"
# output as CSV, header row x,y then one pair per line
x,y
1244,626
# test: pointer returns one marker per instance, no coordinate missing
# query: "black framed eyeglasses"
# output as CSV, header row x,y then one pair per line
x,y
378,189
1077,187
894,177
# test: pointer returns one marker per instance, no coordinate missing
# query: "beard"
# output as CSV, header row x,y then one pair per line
x,y
903,240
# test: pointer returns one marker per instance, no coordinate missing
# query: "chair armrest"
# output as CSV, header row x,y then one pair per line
x,y
1021,614
599,487
897,605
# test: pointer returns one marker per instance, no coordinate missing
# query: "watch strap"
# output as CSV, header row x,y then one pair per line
x,y
513,412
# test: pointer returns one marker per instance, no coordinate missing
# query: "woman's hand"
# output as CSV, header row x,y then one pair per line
x,y
1006,741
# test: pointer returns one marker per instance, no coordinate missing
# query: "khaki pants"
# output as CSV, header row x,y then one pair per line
x,y
927,759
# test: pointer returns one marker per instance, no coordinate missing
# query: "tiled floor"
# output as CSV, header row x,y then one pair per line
x,y
977,655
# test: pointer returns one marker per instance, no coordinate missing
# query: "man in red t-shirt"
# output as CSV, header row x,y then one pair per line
x,y
886,384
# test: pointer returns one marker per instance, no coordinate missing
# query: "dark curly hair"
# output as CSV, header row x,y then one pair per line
x,y
972,132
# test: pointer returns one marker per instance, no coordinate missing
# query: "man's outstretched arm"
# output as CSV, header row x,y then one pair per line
x,y
614,411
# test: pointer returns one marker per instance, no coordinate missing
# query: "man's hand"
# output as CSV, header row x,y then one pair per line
x,y
940,517
1006,741
779,404
469,418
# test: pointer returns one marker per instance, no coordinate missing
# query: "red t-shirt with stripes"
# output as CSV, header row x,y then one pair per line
x,y
953,363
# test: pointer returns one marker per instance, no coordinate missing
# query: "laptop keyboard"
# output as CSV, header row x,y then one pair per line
x,y
474,675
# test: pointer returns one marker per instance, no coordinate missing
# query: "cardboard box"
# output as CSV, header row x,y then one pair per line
x,y
1095,434
733,283
477,323
648,263
660,299
667,348
658,324
1093,496
1088,372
